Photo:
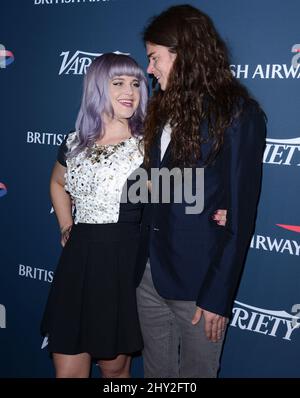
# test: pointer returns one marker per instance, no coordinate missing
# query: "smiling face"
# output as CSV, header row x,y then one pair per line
x,y
124,94
160,63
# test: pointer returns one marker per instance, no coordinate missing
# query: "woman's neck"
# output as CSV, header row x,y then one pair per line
x,y
114,131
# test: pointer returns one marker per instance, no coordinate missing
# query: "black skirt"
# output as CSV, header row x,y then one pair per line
x,y
92,302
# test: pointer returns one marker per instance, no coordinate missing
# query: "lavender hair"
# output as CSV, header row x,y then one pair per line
x,y
95,100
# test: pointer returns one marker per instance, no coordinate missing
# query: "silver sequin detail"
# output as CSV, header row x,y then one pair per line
x,y
95,179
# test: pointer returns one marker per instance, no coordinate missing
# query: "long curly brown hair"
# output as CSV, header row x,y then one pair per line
x,y
201,87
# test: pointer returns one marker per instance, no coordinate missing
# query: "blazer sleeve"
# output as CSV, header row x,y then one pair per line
x,y
244,146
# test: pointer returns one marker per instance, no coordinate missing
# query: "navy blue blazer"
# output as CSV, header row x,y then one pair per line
x,y
191,256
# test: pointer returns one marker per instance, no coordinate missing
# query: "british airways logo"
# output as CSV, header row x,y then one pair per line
x,y
278,245
6,57
43,138
3,190
68,2
40,274
296,58
284,152
270,71
293,228
78,63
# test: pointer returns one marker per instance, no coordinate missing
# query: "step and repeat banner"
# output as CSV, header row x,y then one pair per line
x,y
45,48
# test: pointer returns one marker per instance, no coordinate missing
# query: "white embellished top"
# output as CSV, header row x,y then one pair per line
x,y
95,179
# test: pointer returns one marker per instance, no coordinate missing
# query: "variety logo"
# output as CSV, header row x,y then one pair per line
x,y
3,190
270,71
6,57
285,152
35,137
2,316
278,324
35,273
283,246
78,63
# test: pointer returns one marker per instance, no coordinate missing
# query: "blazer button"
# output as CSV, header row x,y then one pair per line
x,y
155,229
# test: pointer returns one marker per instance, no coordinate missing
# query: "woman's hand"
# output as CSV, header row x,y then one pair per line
x,y
65,234
220,217
61,201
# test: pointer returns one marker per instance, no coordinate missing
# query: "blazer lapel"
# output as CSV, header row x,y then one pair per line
x,y
155,153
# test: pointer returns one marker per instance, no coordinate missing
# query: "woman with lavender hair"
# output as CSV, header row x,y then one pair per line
x,y
91,310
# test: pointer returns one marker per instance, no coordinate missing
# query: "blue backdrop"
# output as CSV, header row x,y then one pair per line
x,y
45,47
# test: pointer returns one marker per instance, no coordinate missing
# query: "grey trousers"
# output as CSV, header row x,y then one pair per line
x,y
173,347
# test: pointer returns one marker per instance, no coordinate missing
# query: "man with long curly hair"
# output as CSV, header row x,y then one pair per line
x,y
199,117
